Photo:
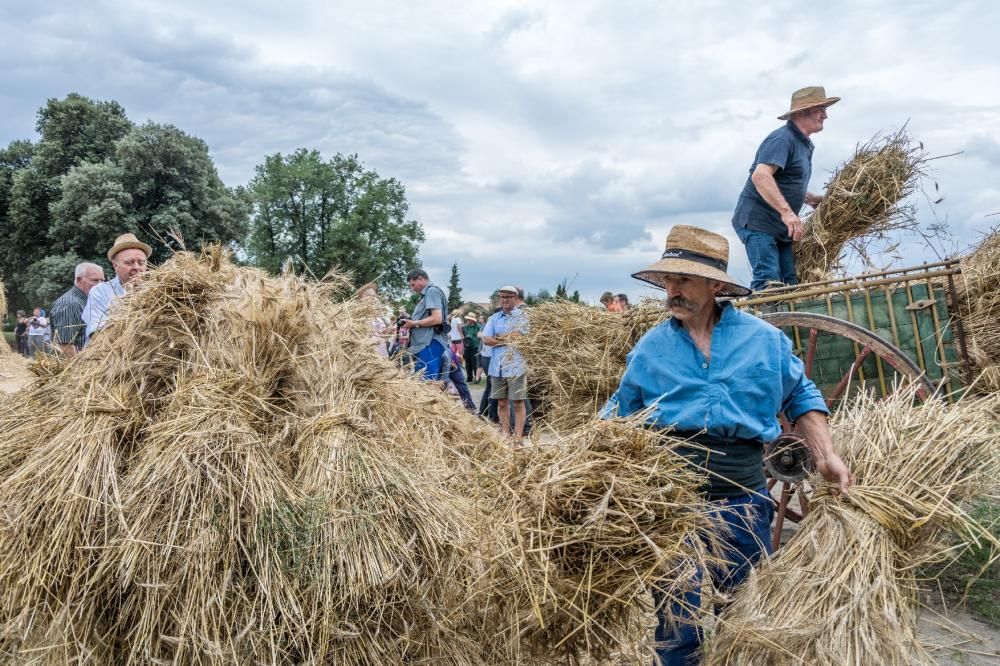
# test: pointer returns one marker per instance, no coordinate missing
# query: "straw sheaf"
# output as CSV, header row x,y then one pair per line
x,y
844,589
576,355
862,206
228,473
978,305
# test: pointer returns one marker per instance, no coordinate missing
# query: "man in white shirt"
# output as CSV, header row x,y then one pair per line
x,y
128,257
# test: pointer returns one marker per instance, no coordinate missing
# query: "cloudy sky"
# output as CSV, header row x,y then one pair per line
x,y
537,141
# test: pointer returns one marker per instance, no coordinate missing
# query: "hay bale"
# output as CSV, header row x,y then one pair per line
x,y
862,205
228,473
844,589
597,520
575,355
978,295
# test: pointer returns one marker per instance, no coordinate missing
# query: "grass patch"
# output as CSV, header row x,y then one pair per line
x,y
981,597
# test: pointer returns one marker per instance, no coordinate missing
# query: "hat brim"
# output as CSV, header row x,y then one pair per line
x,y
129,246
829,101
657,273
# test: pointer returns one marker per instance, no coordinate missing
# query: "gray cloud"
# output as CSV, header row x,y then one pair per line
x,y
535,144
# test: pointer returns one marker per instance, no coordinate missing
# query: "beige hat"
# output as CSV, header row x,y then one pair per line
x,y
808,98
510,289
471,317
694,251
128,242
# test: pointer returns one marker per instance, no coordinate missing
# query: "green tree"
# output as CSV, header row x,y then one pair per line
x,y
332,214
93,175
576,296
454,291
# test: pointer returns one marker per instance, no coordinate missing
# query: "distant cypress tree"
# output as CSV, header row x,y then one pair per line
x,y
454,291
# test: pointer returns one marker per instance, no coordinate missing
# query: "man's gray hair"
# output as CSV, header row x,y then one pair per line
x,y
83,267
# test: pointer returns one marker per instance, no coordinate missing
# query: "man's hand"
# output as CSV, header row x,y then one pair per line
x,y
814,200
833,469
409,323
794,225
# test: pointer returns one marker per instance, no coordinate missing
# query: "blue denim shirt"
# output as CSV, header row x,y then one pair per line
x,y
788,149
752,376
505,361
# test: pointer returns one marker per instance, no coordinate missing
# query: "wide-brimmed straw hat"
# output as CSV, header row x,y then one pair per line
x,y
471,317
808,98
128,242
694,251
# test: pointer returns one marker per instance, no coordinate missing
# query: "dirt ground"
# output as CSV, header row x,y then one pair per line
x,y
957,638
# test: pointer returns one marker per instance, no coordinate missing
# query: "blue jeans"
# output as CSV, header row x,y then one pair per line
x,y
771,259
745,540
430,361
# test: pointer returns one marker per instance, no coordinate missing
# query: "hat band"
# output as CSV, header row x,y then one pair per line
x,y
687,255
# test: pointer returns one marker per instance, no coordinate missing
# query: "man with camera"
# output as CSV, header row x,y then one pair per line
x,y
428,328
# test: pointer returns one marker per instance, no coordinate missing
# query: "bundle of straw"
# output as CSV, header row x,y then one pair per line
x,y
597,520
978,305
576,355
228,473
862,204
844,589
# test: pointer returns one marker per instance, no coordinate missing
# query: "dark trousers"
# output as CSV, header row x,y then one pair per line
x,y
745,541
488,406
470,364
458,379
771,259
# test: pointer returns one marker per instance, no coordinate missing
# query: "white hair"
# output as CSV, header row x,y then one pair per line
x,y
83,267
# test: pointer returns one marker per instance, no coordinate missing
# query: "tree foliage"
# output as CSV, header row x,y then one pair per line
x,y
93,175
332,214
454,291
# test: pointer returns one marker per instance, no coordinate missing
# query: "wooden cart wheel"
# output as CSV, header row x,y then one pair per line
x,y
866,344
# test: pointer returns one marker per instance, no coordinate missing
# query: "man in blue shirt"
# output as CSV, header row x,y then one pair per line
x,y
508,374
719,376
767,212
427,325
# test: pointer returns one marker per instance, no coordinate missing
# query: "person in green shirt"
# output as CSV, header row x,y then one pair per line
x,y
470,333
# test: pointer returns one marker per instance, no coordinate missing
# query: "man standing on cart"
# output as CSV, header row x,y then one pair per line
x,y
719,376
767,212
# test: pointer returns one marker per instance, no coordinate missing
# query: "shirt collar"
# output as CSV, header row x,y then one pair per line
x,y
798,133
78,292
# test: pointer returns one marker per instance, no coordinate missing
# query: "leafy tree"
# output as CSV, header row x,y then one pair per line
x,y
454,291
561,290
332,214
576,296
93,175
50,277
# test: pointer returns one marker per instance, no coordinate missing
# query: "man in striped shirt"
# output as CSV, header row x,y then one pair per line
x,y
66,316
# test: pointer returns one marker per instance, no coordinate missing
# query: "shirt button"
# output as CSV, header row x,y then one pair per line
x,y
704,366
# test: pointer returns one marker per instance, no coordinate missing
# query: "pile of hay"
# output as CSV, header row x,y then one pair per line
x,y
592,518
575,355
844,589
228,473
978,305
862,204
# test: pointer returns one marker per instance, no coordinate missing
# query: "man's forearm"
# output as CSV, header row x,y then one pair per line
x,y
816,431
768,189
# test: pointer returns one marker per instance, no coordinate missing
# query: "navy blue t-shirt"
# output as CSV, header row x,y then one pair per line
x,y
790,151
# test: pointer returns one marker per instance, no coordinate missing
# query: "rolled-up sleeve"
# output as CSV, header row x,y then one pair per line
x,y
799,393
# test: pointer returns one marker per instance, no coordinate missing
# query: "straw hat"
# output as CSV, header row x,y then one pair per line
x,y
128,242
471,317
694,251
808,98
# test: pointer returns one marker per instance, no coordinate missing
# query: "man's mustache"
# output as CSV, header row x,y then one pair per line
x,y
681,302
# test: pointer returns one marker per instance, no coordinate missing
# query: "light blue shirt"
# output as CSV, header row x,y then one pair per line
x,y
504,360
102,296
752,376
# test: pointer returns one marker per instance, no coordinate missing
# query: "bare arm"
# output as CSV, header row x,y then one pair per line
x,y
814,428
767,187
69,351
433,319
